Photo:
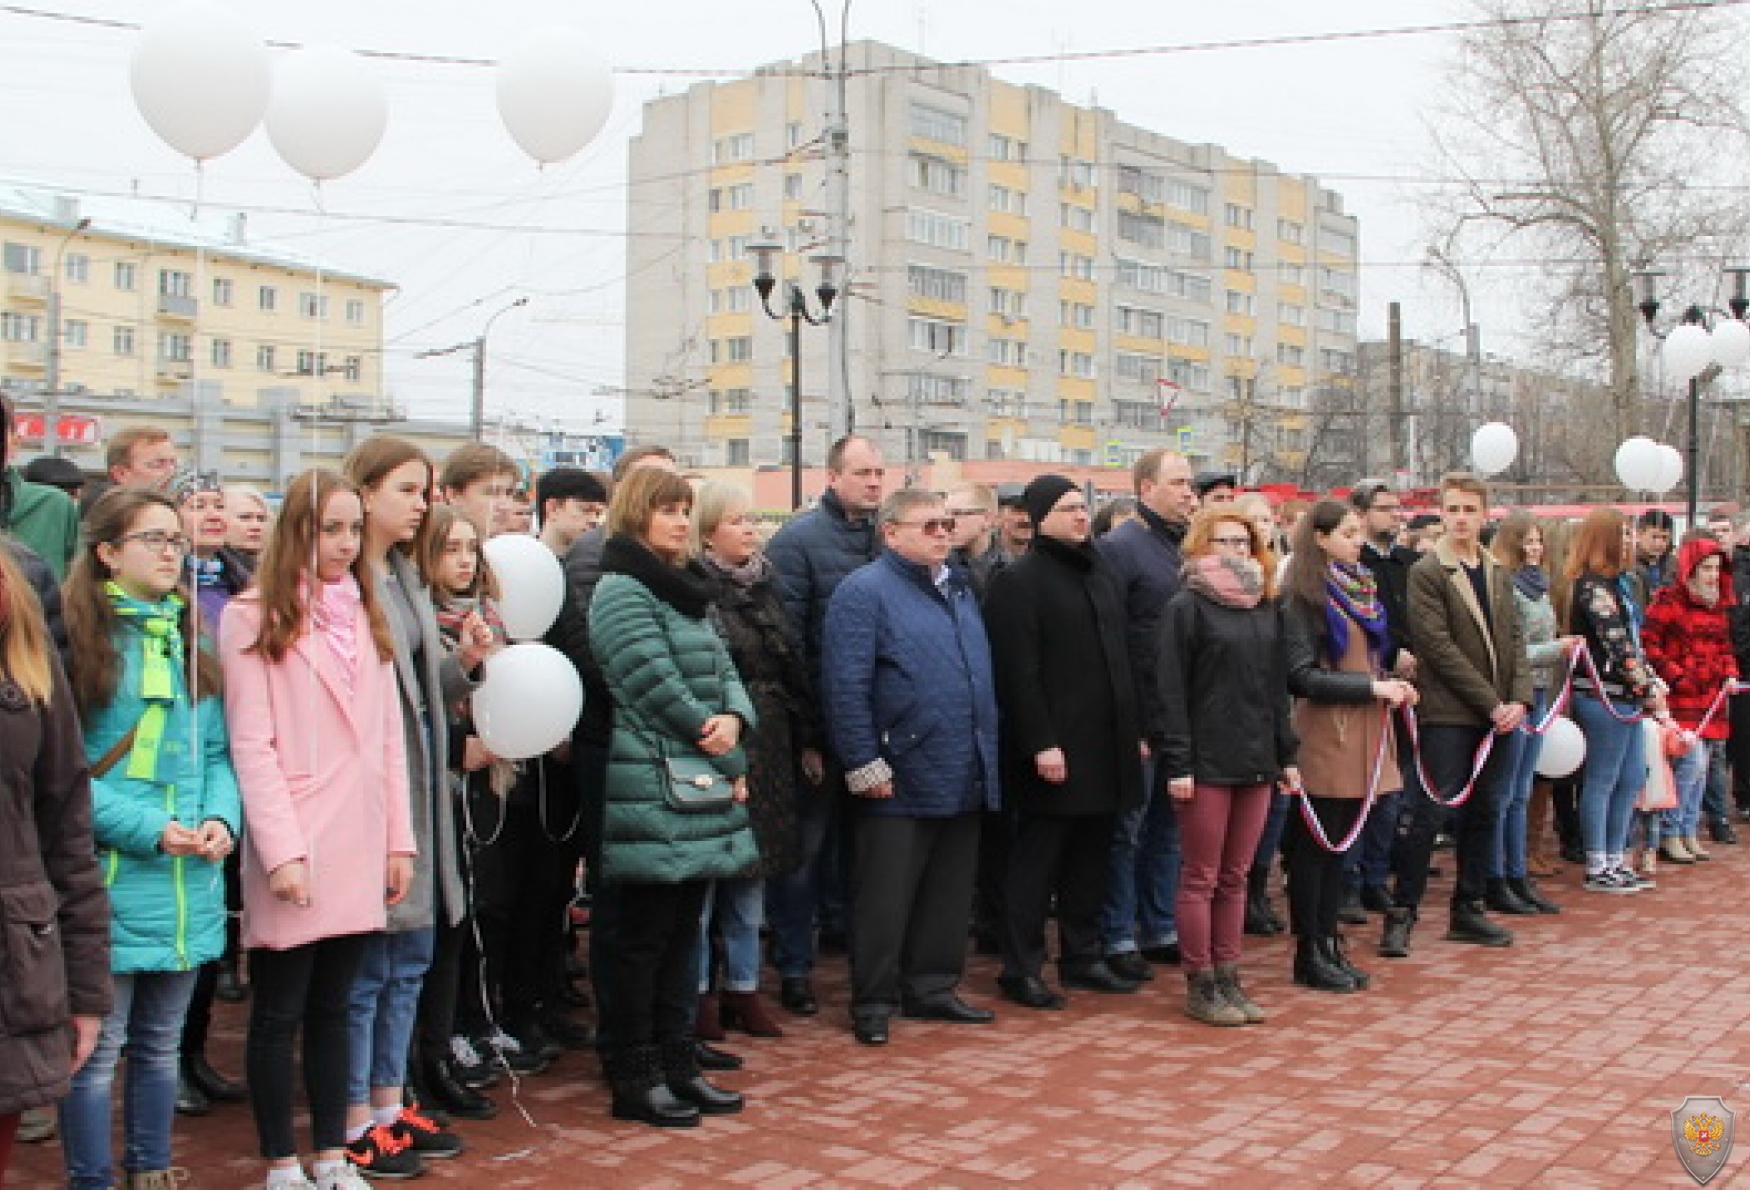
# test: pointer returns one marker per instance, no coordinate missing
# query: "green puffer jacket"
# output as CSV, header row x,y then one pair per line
x,y
668,672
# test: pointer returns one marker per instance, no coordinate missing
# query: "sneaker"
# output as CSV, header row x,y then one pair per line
x,y
425,1136
472,1068
1606,882
381,1153
1631,880
1641,879
500,1049
342,1177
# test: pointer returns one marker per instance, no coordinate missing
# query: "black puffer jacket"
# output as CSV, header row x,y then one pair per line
x,y
42,581
1224,692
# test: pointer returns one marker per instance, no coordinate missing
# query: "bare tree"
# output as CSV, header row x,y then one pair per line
x,y
1594,138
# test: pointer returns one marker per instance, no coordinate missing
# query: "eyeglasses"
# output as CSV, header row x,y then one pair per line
x,y
157,539
1244,543
936,524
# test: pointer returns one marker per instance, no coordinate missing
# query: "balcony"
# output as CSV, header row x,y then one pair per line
x,y
30,356
27,287
170,371
179,308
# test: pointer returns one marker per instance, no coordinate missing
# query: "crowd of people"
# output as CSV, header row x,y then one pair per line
x,y
242,766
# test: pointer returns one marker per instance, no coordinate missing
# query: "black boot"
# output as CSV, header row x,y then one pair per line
x,y
636,1075
190,1101
1470,924
1260,920
1528,892
1394,941
1313,970
215,1086
1337,954
1502,897
1350,913
442,1088
680,1068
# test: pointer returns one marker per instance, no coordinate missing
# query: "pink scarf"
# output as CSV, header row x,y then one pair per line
x,y
334,614
1235,582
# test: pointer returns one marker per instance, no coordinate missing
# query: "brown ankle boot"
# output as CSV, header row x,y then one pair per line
x,y
708,1022
747,1012
1537,815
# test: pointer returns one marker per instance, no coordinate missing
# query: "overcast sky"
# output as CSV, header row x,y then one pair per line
x,y
451,211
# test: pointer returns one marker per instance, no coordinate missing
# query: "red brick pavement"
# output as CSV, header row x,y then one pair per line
x,y
1553,1063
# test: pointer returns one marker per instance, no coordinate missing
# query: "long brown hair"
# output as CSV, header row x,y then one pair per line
x,y
1508,545
1597,548
440,519
369,463
1309,567
93,626
1203,523
24,637
287,563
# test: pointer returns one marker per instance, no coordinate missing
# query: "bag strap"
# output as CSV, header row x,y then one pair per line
x,y
116,751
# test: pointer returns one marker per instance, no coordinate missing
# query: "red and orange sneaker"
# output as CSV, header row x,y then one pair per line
x,y
381,1153
425,1136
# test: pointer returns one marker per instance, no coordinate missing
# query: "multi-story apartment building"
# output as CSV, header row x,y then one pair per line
x,y
117,306
1027,278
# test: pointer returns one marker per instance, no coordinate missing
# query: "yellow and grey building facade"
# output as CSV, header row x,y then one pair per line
x,y
1027,278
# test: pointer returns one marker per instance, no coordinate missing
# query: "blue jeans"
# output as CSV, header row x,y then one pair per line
x,y
1616,770
147,1018
1143,882
1509,858
1270,842
738,905
1719,784
792,897
1367,864
1689,774
385,1000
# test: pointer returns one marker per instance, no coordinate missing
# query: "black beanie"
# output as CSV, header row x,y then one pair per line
x,y
1042,495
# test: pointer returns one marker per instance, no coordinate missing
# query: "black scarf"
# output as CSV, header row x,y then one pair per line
x,y
1079,558
683,588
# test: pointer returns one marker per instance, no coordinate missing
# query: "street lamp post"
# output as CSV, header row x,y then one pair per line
x,y
52,372
477,397
1695,350
796,310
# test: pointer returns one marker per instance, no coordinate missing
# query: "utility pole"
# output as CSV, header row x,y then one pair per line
x,y
52,373
477,397
1394,340
837,135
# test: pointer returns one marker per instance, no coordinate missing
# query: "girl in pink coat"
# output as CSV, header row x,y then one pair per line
x,y
315,720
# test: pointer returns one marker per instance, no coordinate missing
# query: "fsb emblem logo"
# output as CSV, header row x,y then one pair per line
x,y
1701,1132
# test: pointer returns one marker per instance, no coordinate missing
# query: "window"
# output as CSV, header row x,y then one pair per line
x,y
731,198
937,284
268,298
1187,332
737,299
1290,232
1000,249
313,305
936,230
1237,258
1148,230
792,187
122,342
223,291
1075,314
1238,216
1187,197
127,276
264,359
1006,148
1290,354
737,453
1340,322
221,353
1075,173
1006,402
1009,303
1292,274
733,248
1145,324
1154,278
1186,240
20,328
75,332
312,363
1189,374
1075,363
738,147
1340,362
1074,217
1137,369
1341,243
737,350
1007,201
1137,415
1078,413
792,134
1238,344
937,336
23,258
1006,353
353,368
76,270
175,348
923,389
1240,302
1072,264
1336,284
1290,314
175,283
355,311
932,123
937,176
731,400
1145,184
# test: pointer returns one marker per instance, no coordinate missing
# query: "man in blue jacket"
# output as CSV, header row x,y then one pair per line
x,y
911,707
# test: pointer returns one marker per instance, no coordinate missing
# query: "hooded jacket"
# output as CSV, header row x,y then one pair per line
x,y
1689,642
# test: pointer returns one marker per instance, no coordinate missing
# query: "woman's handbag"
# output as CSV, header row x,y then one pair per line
x,y
1660,791
695,785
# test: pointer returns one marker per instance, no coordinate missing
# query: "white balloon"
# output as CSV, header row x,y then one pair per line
x,y
554,93
1493,448
1564,749
1637,463
529,702
531,584
328,112
1688,350
200,79
1731,343
1670,470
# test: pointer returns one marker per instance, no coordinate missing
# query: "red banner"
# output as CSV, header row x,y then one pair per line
x,y
71,429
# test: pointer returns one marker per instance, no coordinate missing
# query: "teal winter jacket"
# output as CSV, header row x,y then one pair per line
x,y
668,672
167,912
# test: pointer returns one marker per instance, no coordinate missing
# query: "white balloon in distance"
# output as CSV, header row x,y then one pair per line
x,y
1564,749
1731,343
1637,463
1670,470
529,702
531,584
554,93
200,79
328,112
1493,448
1688,350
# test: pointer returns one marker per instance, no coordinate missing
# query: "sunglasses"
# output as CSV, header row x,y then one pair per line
x,y
1242,542
932,526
